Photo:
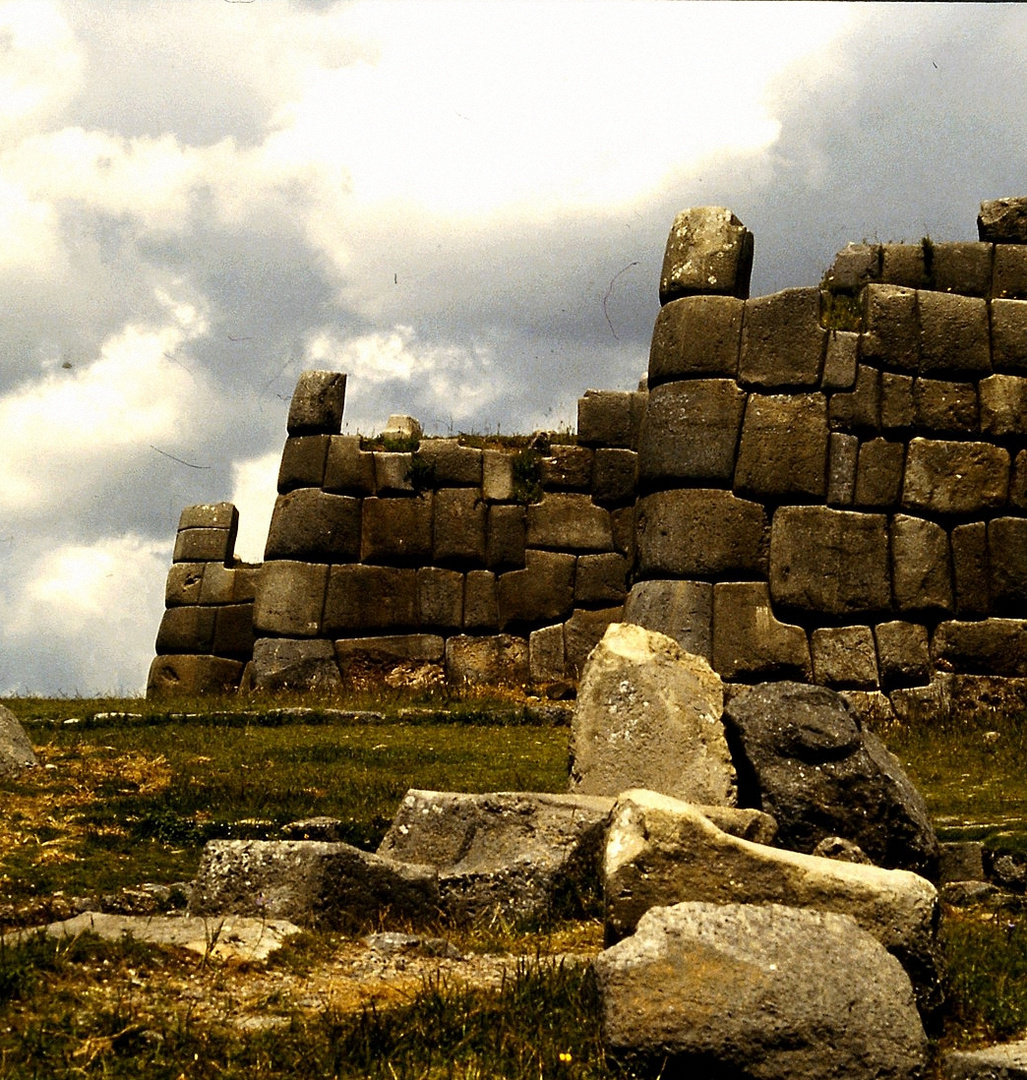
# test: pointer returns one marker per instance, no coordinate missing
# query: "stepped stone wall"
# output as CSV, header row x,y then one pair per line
x,y
826,484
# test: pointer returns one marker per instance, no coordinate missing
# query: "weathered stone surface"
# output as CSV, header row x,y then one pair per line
x,y
605,418
970,569
842,459
308,524
348,469
459,528
769,992
601,579
904,264
15,749
204,545
748,641
987,647
569,522
690,431
1007,550
567,468
696,532
583,631
219,515
783,451
708,251
363,598
837,847
826,560
1009,335
954,337
1004,405
186,630
542,592
945,408
440,597
547,660
1018,482
499,660
696,336
648,715
1003,221
921,568
303,462
1005,1061
854,266
892,328
961,860
897,406
1009,274
233,631
171,676
783,342
505,537
400,426
804,759
879,473
860,410
614,476
290,598
397,530
290,664
313,884
844,656
235,584
389,649
683,610
481,601
393,472
903,653
962,268
317,403
954,477
840,360
519,855
184,582
497,482
451,464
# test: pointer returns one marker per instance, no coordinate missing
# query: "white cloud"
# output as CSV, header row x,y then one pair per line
x,y
254,490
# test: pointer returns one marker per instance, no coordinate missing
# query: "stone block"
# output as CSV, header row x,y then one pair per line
x,y
903,654
348,469
962,267
569,522
500,660
970,570
233,631
829,561
227,584
505,538
1009,335
842,459
186,630
921,567
1003,221
700,533
623,520
1004,405
1018,482
897,408
293,665
356,655
639,403
783,342
696,337
542,592
879,475
840,360
290,599
962,861
362,598
1009,274
440,597
401,427
317,403
783,449
690,432
481,601
393,472
497,482
708,251
583,631
204,545
303,462
953,335
450,464
601,579
844,656
854,266
311,525
183,584
749,642
397,530
614,477
459,528
945,408
860,410
682,610
1007,553
988,647
192,676
221,515
546,657
567,468
604,418
903,264
945,477
648,714
891,337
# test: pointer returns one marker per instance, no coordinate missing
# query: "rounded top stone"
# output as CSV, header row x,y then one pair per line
x,y
709,251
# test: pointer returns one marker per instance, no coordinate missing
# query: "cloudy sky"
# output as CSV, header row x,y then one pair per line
x,y
462,205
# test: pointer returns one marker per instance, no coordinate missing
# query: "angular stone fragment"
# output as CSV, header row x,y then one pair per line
x,y
15,749
854,266
648,715
317,403
500,660
401,427
604,418
696,336
947,477
313,884
290,598
783,451
542,592
783,342
748,641
309,524
903,653
844,656
546,657
683,610
1003,221
953,334
736,990
290,664
921,568
220,515
708,251
192,675
569,522
517,855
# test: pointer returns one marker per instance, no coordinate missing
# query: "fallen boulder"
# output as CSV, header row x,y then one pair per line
x,y
312,883
648,715
770,993
804,758
15,749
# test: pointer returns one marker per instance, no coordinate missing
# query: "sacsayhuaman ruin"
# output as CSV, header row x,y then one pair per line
x,y
826,484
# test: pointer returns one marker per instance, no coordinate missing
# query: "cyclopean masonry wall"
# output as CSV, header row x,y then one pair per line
x,y
832,487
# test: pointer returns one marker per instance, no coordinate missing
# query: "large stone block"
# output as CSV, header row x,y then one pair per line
x,y
481,601
393,472
500,660
1009,335
962,267
204,545
228,584
897,407
891,337
841,360
497,478
708,251
1007,551
954,337
233,631
842,463
970,570
348,469
829,561
921,567
542,592
379,655
903,653
317,403
1009,274
614,477
946,477
583,631
547,659
1004,405
303,462
440,597
859,410
779,993
566,468
569,522
362,598
397,530
186,630
696,532
696,336
879,473
184,583
192,675
904,264
450,464
648,715
289,664
748,641
220,515
945,408
290,598
459,527
783,342
783,451
506,537
605,419
854,266
987,647
601,579
683,610
16,752
844,656
1003,221
309,524
690,432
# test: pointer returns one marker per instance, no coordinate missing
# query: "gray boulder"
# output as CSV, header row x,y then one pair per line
x,y
769,993
15,749
648,715
1007,1061
803,758
313,884
526,856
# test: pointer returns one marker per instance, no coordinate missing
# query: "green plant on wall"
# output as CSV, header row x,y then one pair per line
x,y
421,473
527,476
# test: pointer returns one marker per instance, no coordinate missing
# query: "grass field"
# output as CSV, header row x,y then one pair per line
x,y
129,793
